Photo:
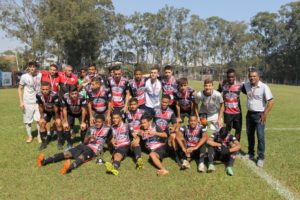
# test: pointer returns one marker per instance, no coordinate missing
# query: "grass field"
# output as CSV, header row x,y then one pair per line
x,y
21,179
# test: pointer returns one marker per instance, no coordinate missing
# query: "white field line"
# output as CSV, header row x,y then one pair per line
x,y
280,129
274,183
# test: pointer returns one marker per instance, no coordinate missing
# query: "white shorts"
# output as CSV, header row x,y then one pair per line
x,y
31,112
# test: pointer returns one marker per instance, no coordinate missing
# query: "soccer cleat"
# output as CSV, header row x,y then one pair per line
x,y
162,172
260,163
211,168
139,163
43,146
40,160
65,168
111,169
186,164
229,171
201,167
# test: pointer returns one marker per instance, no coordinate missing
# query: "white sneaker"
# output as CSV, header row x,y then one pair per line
x,y
201,167
260,163
186,164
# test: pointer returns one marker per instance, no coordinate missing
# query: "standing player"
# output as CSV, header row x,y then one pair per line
x,y
29,85
121,140
137,87
49,108
231,94
93,143
119,90
74,106
98,101
152,92
212,105
222,146
67,80
185,100
192,139
51,77
170,86
155,141
81,82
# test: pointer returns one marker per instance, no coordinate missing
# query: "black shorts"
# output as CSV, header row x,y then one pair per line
x,y
184,114
173,107
71,119
122,150
48,116
84,150
233,121
200,150
162,151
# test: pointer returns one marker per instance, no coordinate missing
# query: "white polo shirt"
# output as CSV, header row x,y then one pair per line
x,y
152,93
32,85
257,96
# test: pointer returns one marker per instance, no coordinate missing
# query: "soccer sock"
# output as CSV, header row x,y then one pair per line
x,y
116,164
211,152
28,129
75,164
231,161
137,152
68,137
82,135
60,138
176,153
56,158
38,129
44,136
48,132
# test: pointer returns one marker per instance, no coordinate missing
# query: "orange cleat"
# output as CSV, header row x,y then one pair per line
x,y
66,166
40,160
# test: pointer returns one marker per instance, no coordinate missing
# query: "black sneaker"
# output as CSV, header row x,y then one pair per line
x,y
43,146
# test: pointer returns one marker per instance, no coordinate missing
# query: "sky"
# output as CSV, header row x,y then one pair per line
x,y
231,10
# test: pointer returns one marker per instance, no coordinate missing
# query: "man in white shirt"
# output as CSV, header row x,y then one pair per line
x,y
259,103
212,105
29,85
153,89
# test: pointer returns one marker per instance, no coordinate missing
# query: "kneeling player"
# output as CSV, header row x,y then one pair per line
x,y
192,139
224,147
94,141
155,140
121,140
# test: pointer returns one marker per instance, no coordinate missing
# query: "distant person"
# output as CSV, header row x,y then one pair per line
x,y
29,85
231,94
259,103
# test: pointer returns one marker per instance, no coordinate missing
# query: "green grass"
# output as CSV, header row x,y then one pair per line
x,y
21,179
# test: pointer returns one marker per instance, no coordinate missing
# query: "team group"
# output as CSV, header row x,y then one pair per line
x,y
141,114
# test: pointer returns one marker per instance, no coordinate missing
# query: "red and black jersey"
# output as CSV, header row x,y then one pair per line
x,y
227,141
99,99
122,134
231,96
169,87
153,141
164,117
48,102
54,81
74,106
191,135
137,90
98,136
185,99
118,91
134,118
65,82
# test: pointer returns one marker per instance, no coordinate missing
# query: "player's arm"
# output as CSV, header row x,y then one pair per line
x,y
212,143
220,115
196,105
202,141
89,106
267,110
235,146
20,94
159,133
178,110
127,98
179,137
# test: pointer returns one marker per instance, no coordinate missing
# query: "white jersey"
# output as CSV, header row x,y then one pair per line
x,y
152,93
210,104
32,85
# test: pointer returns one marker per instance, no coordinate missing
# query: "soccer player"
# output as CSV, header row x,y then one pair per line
x,y
222,146
29,85
170,86
153,89
51,77
185,100
231,94
259,102
155,141
192,139
121,140
137,87
74,106
93,144
119,90
99,101
49,108
66,80
134,115
212,105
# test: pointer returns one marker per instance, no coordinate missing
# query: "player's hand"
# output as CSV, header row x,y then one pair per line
x,y
220,123
124,110
190,150
22,106
65,125
263,118
225,150
108,119
91,121
83,126
152,133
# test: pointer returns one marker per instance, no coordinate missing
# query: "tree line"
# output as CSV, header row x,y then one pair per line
x,y
83,31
